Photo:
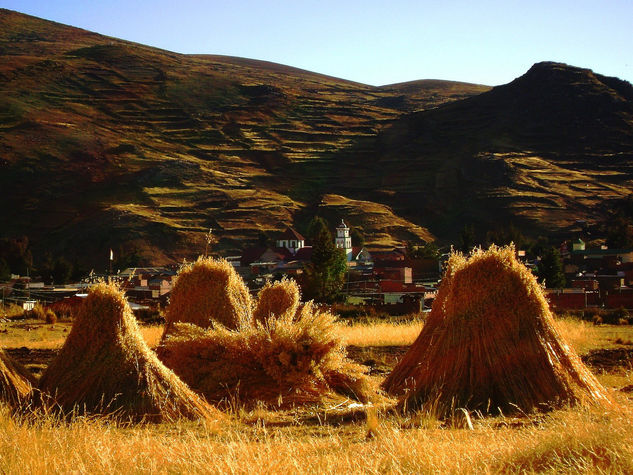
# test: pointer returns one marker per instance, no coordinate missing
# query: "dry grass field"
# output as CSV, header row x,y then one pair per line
x,y
340,439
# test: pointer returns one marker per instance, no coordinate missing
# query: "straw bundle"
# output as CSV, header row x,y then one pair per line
x,y
490,344
16,383
209,291
283,362
277,299
105,367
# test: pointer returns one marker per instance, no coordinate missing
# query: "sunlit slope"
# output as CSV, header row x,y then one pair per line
x,y
553,146
103,141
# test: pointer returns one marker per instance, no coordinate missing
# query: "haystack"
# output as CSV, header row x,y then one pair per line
x,y
277,299
490,344
283,362
208,291
105,367
16,382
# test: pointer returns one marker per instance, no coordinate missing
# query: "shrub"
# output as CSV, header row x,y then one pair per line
x,y
38,312
51,317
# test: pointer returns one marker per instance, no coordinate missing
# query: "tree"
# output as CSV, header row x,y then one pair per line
x,y
467,238
325,274
505,235
550,269
428,250
62,270
5,272
316,226
16,253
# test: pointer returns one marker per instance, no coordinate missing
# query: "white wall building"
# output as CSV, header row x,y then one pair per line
x,y
343,240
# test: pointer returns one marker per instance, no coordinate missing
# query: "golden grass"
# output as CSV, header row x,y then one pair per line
x,y
105,367
11,310
208,291
490,344
566,441
380,333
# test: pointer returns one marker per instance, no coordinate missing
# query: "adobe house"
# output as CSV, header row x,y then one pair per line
x,y
291,240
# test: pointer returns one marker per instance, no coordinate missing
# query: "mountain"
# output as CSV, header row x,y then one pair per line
x,y
110,144
106,143
553,146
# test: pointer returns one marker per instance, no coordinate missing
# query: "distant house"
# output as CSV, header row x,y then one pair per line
x,y
291,240
265,259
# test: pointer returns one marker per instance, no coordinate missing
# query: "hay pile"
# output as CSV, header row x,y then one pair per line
x,y
105,367
490,344
285,361
277,299
16,383
208,291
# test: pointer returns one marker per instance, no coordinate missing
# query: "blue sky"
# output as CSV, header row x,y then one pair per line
x,y
373,42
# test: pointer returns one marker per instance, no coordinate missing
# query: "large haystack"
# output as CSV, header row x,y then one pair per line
x,y
277,299
209,291
284,362
16,383
105,367
490,344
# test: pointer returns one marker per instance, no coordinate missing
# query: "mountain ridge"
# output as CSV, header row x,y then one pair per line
x,y
108,144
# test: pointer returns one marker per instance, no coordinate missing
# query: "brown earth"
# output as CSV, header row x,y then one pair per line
x,y
110,144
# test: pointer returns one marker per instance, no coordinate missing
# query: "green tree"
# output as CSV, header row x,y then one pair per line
x,y
5,272
325,274
17,254
316,226
550,269
505,235
467,238
62,270
428,250
619,233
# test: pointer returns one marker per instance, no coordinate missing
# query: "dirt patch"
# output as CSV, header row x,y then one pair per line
x,y
609,359
35,360
379,359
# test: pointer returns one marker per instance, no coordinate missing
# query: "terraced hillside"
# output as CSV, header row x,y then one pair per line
x,y
549,148
106,143
110,144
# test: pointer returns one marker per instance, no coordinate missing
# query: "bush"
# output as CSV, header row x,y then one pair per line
x,y
51,317
38,312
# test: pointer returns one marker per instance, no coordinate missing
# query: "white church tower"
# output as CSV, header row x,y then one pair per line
x,y
343,240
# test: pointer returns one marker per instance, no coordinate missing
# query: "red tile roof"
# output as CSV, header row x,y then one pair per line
x,y
291,235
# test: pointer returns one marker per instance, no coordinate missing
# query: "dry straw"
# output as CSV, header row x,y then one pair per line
x,y
105,367
208,291
490,344
282,362
16,383
277,299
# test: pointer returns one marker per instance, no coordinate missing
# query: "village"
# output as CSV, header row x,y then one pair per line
x,y
383,282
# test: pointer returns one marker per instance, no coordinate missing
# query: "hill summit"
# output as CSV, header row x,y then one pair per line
x,y
110,144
